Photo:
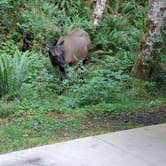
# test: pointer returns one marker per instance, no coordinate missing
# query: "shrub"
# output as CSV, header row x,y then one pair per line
x,y
12,72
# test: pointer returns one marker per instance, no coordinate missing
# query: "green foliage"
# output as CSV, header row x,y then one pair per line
x,y
12,72
68,6
115,44
38,22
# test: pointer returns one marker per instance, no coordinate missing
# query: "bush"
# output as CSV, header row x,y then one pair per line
x,y
12,72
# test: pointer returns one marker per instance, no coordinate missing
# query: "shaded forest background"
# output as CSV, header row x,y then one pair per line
x,y
27,26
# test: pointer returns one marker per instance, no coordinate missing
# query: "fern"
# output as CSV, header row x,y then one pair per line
x,y
12,72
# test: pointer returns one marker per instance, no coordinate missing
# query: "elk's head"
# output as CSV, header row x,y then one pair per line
x,y
56,54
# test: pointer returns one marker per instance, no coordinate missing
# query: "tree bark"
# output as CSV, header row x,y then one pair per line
x,y
98,12
147,61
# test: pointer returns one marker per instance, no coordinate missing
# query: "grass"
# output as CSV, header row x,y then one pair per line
x,y
29,129
48,111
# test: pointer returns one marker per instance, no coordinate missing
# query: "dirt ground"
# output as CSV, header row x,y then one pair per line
x,y
136,118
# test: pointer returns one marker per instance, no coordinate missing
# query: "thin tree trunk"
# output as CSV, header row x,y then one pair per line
x,y
146,64
98,12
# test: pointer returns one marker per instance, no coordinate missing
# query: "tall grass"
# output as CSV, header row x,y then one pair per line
x,y
12,72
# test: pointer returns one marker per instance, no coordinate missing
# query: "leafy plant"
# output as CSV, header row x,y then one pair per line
x,y
12,72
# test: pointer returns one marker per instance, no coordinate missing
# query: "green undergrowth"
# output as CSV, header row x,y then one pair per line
x,y
47,110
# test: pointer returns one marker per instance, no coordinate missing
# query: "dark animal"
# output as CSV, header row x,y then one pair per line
x,y
70,49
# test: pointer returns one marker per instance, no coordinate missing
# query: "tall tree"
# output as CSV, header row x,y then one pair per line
x,y
98,12
146,63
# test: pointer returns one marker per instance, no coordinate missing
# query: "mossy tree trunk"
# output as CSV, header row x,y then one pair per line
x,y
147,61
98,12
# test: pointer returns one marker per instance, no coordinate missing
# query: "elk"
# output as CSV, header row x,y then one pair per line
x,y
70,49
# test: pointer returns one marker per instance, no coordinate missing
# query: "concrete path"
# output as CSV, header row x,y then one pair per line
x,y
136,147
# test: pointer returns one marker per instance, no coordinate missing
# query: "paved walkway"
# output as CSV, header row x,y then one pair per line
x,y
136,147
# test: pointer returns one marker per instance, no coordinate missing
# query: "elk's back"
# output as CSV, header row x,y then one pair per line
x,y
76,45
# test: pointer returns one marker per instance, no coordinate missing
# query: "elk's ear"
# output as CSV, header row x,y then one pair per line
x,y
56,51
61,43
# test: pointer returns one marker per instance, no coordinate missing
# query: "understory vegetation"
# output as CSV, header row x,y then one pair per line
x,y
35,106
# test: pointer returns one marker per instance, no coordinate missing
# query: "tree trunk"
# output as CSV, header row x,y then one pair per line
x,y
98,12
146,64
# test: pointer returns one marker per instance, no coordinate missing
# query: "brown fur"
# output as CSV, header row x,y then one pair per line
x,y
76,45
70,49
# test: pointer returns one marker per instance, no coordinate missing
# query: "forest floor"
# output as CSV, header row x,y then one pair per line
x,y
16,134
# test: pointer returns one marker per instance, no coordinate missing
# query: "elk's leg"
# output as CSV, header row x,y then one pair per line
x,y
62,73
